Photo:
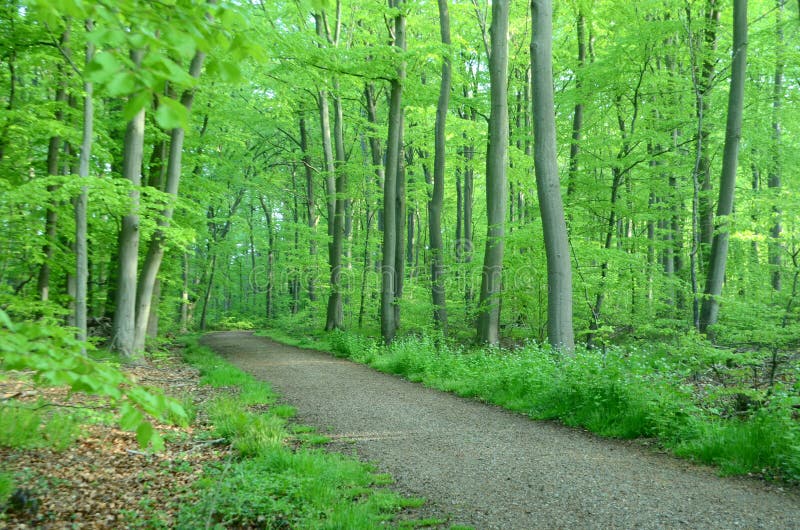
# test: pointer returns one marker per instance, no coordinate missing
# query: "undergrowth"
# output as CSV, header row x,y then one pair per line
x,y
622,391
269,482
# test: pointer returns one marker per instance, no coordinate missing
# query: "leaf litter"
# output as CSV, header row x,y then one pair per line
x,y
105,480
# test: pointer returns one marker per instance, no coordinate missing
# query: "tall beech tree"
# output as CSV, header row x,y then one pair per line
x,y
559,266
124,324
496,178
392,235
436,202
709,313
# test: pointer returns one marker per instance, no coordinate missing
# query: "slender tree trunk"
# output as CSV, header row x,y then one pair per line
x,y
707,75
496,178
577,115
775,174
311,212
393,155
437,197
155,250
400,213
81,203
559,266
719,248
335,313
53,150
270,299
184,323
123,327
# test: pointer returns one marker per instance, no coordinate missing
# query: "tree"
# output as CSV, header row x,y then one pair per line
x,y
496,178
124,325
394,153
437,197
559,267
81,203
733,132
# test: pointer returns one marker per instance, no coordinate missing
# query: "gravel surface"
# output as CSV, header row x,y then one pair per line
x,y
479,465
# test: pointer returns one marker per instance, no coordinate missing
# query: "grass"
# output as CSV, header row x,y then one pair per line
x,y
623,392
25,427
268,483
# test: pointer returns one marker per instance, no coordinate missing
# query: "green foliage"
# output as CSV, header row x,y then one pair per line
x,y
250,434
54,356
7,487
23,426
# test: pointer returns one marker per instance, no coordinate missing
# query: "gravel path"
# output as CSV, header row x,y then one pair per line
x,y
481,466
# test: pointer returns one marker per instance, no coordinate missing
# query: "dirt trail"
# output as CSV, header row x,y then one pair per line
x,y
488,468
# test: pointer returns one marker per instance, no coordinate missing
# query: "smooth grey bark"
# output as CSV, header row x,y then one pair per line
x,y
437,198
311,214
709,312
270,291
400,214
376,152
775,249
81,203
577,115
560,332
706,213
335,312
394,152
155,250
124,323
185,302
327,147
488,326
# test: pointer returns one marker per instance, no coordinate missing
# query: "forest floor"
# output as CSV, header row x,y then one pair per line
x,y
481,466
104,480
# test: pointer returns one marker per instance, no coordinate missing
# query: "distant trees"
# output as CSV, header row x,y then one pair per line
x,y
322,127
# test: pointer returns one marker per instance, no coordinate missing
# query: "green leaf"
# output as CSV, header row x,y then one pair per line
x,y
144,434
136,103
171,114
6,321
103,68
131,417
121,84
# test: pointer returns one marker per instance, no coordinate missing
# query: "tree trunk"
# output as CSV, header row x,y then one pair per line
x,y
400,212
774,179
53,149
123,327
733,131
437,197
707,75
335,313
496,178
81,203
577,116
393,154
311,213
155,250
559,266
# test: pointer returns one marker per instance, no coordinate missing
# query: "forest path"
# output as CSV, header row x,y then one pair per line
x,y
482,466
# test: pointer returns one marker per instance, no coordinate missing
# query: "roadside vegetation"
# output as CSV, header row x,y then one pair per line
x,y
732,409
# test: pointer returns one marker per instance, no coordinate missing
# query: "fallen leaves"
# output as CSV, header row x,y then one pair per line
x,y
104,480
